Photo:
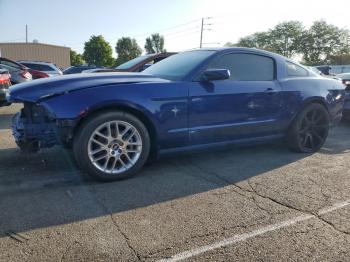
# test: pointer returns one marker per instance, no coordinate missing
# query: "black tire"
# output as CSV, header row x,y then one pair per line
x,y
309,130
81,144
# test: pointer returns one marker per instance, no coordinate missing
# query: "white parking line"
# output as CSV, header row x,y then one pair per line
x,y
239,238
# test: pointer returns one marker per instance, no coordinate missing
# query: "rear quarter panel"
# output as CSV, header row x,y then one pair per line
x,y
298,92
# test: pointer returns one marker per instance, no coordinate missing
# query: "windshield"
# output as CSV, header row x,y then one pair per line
x,y
132,62
178,66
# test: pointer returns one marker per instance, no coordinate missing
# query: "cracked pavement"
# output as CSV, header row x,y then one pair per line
x,y
176,204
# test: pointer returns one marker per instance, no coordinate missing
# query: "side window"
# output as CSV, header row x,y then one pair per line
x,y
294,70
247,67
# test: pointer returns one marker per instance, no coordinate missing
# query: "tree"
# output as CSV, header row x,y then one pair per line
x,y
155,44
259,40
343,59
322,42
76,59
97,51
127,49
285,38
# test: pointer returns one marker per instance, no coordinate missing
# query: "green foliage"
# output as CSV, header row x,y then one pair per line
x,y
259,40
76,59
286,38
322,43
127,49
97,51
155,44
340,59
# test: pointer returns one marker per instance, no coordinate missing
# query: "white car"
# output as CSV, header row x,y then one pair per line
x,y
48,68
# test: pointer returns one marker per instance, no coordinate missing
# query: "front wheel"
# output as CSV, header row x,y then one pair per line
x,y
309,130
112,146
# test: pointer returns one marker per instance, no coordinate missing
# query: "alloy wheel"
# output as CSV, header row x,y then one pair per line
x,y
313,130
114,147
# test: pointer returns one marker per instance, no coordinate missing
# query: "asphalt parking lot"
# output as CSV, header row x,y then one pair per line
x,y
236,204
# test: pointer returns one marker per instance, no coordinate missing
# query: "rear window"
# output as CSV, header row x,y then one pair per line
x,y
39,67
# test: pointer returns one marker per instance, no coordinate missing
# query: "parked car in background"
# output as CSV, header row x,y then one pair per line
x,y
37,74
325,69
137,64
79,69
46,67
194,99
5,83
345,78
19,73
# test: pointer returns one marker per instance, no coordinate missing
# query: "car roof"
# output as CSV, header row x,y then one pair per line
x,y
34,62
9,60
239,49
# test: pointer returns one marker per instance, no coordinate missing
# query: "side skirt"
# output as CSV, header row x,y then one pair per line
x,y
224,144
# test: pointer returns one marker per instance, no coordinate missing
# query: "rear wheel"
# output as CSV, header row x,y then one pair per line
x,y
112,146
309,130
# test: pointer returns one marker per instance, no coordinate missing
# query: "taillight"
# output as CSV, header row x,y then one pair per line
x,y
4,78
42,74
25,74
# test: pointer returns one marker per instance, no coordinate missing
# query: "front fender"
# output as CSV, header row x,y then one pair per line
x,y
75,105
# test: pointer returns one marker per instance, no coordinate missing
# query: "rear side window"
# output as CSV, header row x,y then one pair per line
x,y
293,70
247,67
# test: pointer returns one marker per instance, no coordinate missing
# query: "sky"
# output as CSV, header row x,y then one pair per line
x,y
71,22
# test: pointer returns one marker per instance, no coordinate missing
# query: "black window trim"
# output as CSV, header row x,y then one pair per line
x,y
250,53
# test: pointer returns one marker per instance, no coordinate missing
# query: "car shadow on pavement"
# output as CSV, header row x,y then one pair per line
x,y
46,189
5,121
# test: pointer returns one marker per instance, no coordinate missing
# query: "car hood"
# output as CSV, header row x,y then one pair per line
x,y
40,89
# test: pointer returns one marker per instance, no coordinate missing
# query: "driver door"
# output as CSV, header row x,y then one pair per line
x,y
247,105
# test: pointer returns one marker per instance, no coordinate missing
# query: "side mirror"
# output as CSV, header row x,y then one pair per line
x,y
216,74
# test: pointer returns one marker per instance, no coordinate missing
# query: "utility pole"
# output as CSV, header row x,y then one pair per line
x,y
203,29
26,33
201,41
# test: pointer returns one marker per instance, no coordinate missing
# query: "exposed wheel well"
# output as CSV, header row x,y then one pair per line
x,y
307,103
141,116
316,101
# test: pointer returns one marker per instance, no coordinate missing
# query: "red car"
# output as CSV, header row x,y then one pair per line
x,y
5,83
137,64
37,74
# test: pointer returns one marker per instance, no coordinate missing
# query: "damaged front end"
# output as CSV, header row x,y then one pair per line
x,y
34,128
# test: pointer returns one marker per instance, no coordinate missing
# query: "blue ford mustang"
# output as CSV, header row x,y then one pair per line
x,y
116,121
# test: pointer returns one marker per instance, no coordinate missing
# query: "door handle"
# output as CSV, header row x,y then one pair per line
x,y
270,90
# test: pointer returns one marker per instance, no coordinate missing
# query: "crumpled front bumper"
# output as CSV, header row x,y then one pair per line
x,y
3,100
26,132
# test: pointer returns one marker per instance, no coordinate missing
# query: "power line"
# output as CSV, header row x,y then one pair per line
x,y
166,29
183,35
